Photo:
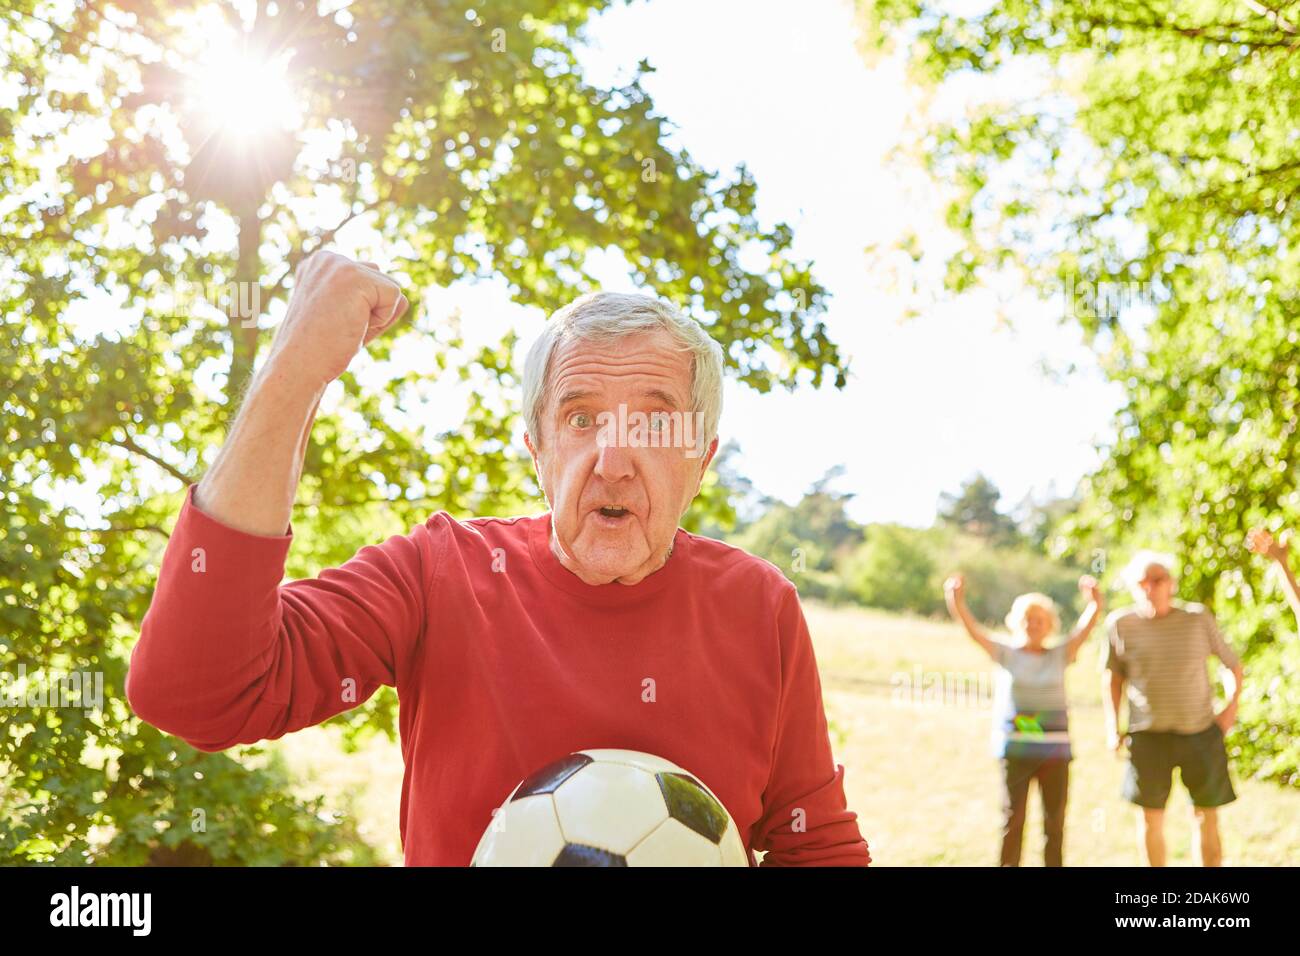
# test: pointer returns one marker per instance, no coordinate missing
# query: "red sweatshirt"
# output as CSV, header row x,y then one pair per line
x,y
503,661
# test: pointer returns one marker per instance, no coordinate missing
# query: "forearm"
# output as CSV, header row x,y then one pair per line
x,y
1112,692
1290,586
252,484
961,612
1232,684
1088,620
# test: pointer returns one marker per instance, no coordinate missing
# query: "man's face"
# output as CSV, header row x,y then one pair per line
x,y
1158,586
582,470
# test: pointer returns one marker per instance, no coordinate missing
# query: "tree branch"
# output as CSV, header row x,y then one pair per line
x,y
1272,13
130,445
1253,39
124,529
321,238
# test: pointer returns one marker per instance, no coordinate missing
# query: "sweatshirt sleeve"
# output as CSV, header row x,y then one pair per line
x,y
1219,646
805,820
228,655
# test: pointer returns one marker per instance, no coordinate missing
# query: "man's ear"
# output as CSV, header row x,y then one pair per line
x,y
704,469
537,465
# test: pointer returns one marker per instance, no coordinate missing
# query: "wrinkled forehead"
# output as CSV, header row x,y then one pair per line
x,y
643,364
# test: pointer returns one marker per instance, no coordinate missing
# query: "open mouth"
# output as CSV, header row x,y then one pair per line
x,y
611,515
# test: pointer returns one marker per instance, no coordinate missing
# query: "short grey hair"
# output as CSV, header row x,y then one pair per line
x,y
606,316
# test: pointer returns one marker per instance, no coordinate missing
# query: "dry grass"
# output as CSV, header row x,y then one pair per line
x,y
927,792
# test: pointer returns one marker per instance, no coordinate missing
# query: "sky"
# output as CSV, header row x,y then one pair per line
x,y
931,400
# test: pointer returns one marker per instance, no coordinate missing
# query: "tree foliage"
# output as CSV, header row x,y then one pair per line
x,y
808,540
471,146
1138,160
974,509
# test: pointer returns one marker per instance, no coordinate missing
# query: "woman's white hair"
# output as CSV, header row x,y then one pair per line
x,y
1136,569
1015,619
606,316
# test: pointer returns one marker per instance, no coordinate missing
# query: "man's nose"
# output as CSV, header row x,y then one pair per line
x,y
614,462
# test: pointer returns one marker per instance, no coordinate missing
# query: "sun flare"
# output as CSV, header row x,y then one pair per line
x,y
243,95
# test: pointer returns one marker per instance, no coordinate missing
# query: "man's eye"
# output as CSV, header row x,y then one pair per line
x,y
659,421
579,419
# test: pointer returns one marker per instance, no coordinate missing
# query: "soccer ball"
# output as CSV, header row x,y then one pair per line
x,y
611,808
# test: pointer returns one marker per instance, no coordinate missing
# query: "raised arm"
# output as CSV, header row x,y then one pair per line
x,y
227,654
954,590
338,306
1262,542
1088,620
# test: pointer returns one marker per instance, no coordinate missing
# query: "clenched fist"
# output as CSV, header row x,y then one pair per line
x,y
337,307
1262,542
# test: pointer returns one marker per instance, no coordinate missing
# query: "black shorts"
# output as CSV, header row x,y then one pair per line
x,y
1202,760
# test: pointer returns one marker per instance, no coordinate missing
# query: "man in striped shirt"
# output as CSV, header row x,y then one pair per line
x,y
1159,649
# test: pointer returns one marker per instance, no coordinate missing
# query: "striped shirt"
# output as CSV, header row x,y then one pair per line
x,y
1163,660
1029,718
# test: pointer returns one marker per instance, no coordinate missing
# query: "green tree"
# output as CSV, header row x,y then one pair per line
x,y
807,541
824,512
974,509
744,503
1141,157
468,141
894,569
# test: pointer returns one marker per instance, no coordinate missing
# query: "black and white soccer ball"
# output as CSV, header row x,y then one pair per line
x,y
611,808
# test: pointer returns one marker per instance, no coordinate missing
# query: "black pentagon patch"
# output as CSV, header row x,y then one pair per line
x,y
692,805
578,854
549,778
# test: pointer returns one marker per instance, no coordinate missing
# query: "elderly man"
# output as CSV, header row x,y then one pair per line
x,y
511,641
1160,648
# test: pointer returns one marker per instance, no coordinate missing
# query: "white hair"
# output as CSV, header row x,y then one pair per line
x,y
1136,569
1015,619
606,316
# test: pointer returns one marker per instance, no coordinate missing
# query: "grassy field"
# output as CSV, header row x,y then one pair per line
x,y
918,771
